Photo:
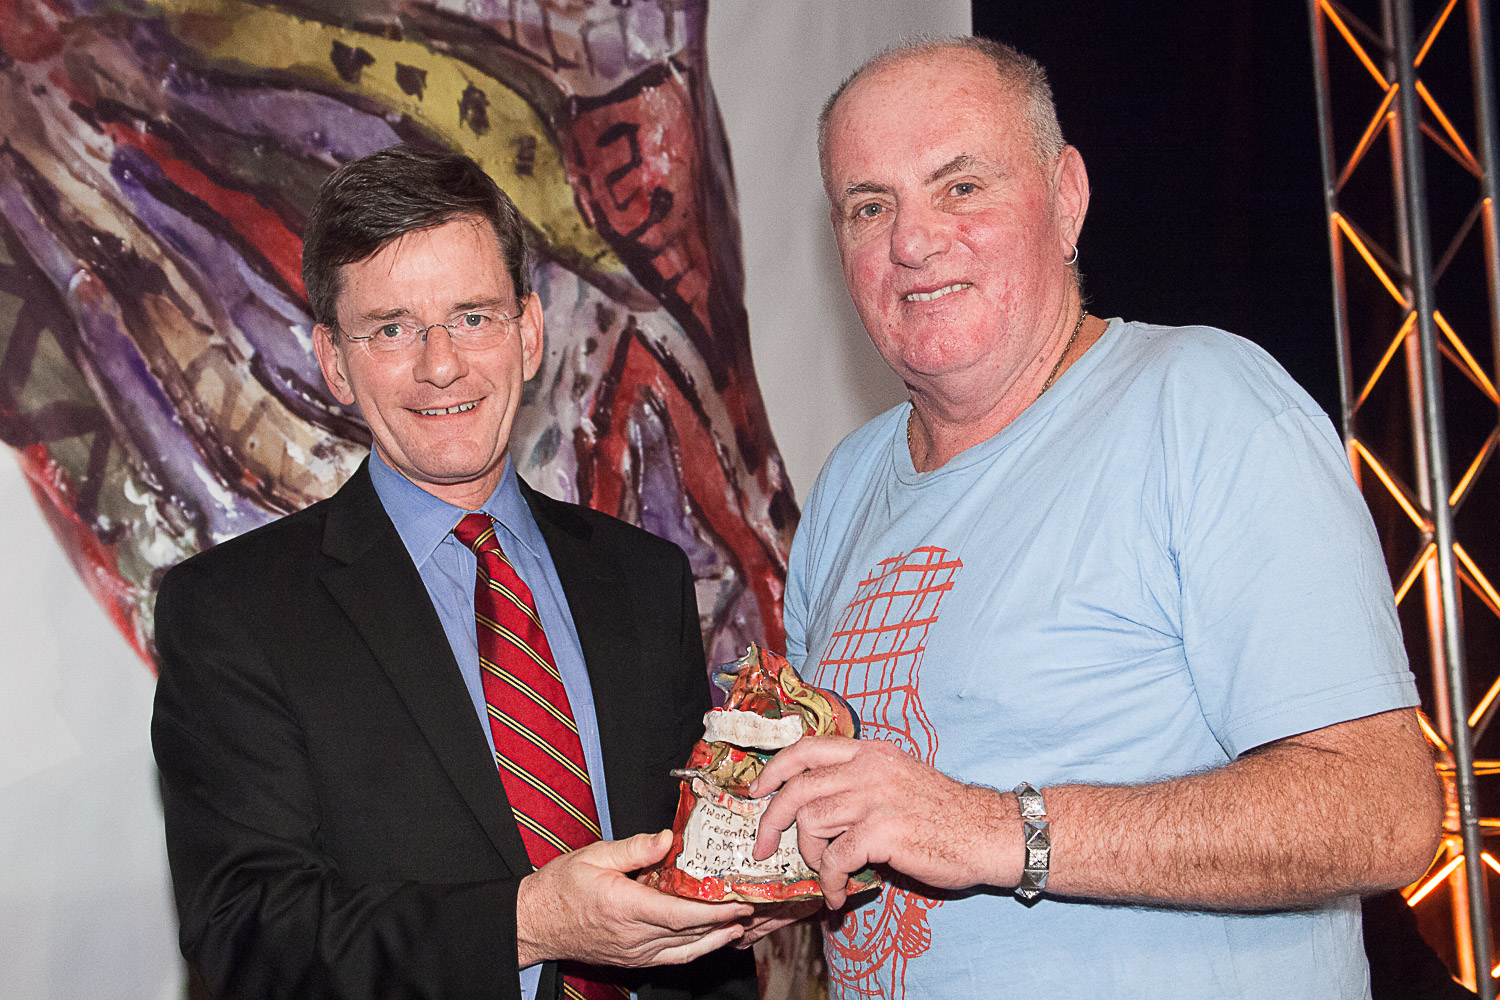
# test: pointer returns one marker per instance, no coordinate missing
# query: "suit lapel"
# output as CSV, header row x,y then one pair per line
x,y
378,587
597,600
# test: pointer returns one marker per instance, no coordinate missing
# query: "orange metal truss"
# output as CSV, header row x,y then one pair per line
x,y
1404,113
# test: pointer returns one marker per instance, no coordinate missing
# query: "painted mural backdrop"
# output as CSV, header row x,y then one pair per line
x,y
157,159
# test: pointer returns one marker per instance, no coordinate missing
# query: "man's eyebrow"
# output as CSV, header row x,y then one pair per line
x,y
863,187
490,302
960,163
400,312
381,315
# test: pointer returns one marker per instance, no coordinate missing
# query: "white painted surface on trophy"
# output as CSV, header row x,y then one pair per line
x,y
720,832
751,730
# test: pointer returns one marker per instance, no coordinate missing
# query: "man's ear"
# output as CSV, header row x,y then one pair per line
x,y
530,328
331,360
1070,186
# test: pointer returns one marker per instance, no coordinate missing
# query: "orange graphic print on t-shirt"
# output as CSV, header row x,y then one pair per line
x,y
874,658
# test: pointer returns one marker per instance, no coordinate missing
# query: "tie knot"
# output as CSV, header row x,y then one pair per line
x,y
477,531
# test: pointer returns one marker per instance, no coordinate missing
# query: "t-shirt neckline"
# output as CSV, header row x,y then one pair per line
x,y
1063,389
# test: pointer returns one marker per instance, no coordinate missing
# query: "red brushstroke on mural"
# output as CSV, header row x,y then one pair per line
x,y
636,376
260,226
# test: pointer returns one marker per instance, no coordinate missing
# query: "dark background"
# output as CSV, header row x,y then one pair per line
x,y
1198,125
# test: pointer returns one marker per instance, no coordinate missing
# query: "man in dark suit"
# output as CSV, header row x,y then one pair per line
x,y
328,721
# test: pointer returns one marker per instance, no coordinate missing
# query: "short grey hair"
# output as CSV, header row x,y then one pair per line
x,y
1018,71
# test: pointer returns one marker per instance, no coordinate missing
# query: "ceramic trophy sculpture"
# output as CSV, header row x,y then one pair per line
x,y
767,708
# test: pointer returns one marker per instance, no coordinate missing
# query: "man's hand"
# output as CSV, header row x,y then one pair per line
x,y
1292,823
861,802
583,907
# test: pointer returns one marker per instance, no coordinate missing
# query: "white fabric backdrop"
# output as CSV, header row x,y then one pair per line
x,y
85,907
818,373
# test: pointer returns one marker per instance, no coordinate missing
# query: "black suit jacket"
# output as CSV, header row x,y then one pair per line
x,y
336,826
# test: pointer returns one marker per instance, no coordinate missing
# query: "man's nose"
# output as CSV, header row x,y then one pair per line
x,y
438,360
918,233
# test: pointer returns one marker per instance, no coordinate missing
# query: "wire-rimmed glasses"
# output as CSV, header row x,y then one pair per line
x,y
471,330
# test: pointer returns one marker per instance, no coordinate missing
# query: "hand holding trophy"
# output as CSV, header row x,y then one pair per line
x,y
767,708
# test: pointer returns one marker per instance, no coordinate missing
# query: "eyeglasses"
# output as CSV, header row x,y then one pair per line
x,y
471,330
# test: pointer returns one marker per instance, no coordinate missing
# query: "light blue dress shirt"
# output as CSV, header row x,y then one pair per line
x,y
448,568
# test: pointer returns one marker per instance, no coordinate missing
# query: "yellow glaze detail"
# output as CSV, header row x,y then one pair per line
x,y
268,39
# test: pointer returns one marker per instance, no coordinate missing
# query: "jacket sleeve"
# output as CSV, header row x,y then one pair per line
x,y
264,912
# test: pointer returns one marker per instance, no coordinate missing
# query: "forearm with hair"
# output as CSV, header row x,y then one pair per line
x,y
1353,808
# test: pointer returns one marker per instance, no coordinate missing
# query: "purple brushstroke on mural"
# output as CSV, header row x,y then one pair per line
x,y
300,121
277,330
129,389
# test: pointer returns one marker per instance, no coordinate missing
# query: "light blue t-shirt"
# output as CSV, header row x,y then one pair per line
x,y
1162,563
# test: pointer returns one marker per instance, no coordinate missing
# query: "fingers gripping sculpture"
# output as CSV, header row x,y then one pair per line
x,y
768,707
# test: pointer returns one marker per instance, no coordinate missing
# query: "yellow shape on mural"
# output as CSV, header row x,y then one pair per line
x,y
268,39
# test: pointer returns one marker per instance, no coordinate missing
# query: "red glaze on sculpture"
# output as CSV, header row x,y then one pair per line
x,y
716,820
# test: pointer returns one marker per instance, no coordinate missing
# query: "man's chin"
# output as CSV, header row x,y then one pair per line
x,y
925,365
451,472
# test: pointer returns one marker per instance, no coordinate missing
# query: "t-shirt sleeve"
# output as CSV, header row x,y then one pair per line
x,y
1288,619
795,609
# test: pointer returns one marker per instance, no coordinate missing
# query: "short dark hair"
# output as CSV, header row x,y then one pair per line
x,y
1016,70
369,203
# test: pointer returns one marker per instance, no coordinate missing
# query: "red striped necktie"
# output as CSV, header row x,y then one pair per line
x,y
536,740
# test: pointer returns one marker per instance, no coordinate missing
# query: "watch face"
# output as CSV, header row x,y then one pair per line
x,y
156,368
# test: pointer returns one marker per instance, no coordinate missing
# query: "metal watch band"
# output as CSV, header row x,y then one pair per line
x,y
1037,841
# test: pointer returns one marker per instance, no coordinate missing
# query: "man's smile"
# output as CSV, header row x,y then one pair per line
x,y
443,412
937,294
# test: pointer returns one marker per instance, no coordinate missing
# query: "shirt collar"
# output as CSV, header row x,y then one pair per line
x,y
424,522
